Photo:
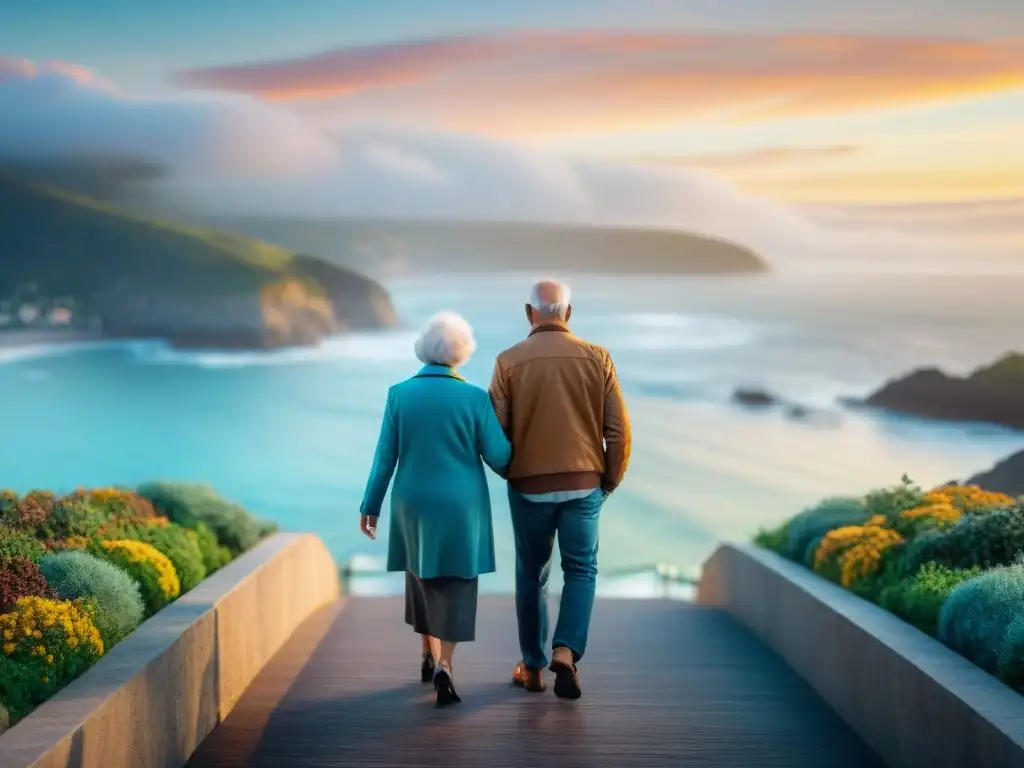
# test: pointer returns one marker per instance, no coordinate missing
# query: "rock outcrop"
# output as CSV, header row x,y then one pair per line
x,y
993,394
1005,477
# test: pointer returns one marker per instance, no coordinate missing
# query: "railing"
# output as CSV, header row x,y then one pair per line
x,y
664,580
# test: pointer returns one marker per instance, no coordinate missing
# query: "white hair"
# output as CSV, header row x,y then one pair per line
x,y
556,308
447,340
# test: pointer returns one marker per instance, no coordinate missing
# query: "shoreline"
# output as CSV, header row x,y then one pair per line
x,y
35,338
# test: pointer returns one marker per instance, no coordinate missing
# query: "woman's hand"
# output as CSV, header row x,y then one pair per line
x,y
368,525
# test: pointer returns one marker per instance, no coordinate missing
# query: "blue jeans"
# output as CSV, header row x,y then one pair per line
x,y
535,526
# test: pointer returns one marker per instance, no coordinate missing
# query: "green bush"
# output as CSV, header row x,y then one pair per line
x,y
987,541
189,504
806,529
152,569
773,539
22,688
74,516
14,543
114,594
1010,658
892,502
917,599
181,545
977,615
215,556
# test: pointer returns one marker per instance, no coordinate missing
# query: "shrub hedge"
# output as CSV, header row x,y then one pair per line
x,y
79,572
949,561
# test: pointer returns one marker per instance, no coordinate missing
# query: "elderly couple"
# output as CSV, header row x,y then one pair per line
x,y
555,427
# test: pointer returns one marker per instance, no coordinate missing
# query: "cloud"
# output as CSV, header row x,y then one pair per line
x,y
242,156
764,157
60,110
549,83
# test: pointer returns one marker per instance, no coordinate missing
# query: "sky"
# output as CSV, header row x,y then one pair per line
x,y
794,102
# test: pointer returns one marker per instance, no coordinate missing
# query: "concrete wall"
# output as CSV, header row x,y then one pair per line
x,y
917,703
159,693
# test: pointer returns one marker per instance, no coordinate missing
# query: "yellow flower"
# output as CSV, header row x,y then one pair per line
x,y
857,550
9,648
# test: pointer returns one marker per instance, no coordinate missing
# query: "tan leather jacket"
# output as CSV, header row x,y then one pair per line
x,y
558,398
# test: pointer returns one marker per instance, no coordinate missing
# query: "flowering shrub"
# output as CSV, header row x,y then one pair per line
x,y
115,502
933,513
153,571
29,513
970,499
950,561
15,543
20,577
986,540
892,502
74,516
8,500
854,552
71,542
113,593
55,639
79,572
180,545
804,531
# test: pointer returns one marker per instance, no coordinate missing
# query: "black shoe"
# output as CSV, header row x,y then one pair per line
x,y
446,694
427,667
567,680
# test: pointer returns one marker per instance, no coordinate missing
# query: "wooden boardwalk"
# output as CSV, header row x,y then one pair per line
x,y
665,684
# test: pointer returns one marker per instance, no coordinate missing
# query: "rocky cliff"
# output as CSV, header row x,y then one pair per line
x,y
992,394
1005,477
142,278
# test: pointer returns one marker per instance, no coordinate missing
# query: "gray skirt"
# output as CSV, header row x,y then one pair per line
x,y
444,607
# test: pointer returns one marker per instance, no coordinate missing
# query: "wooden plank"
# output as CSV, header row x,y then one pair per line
x,y
665,684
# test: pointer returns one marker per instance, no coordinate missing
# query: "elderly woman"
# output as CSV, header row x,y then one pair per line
x,y
438,431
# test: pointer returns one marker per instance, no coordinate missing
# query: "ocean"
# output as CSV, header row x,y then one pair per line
x,y
290,434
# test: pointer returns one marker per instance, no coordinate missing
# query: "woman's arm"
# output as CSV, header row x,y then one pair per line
x,y
494,447
384,460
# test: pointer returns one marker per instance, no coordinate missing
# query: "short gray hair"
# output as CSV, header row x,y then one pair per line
x,y
447,340
556,308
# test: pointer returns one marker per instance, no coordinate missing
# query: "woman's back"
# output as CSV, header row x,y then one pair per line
x,y
438,419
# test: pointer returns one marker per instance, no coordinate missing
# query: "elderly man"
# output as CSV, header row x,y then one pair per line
x,y
558,399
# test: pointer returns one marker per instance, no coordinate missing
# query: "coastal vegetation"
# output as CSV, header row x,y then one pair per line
x,y
79,573
949,560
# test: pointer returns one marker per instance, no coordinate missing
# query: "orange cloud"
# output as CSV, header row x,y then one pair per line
x,y
548,83
23,69
765,157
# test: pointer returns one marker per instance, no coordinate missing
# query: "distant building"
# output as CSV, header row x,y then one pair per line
x,y
60,316
28,313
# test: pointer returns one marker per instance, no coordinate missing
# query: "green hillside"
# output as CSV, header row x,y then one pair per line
x,y
146,277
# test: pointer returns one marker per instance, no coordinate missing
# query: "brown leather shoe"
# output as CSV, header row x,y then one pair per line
x,y
567,678
530,679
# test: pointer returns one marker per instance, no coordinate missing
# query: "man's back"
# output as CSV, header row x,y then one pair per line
x,y
558,398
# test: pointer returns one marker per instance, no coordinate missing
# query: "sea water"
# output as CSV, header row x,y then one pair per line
x,y
290,434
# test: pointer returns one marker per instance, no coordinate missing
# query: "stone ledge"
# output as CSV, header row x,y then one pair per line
x,y
914,701
161,691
